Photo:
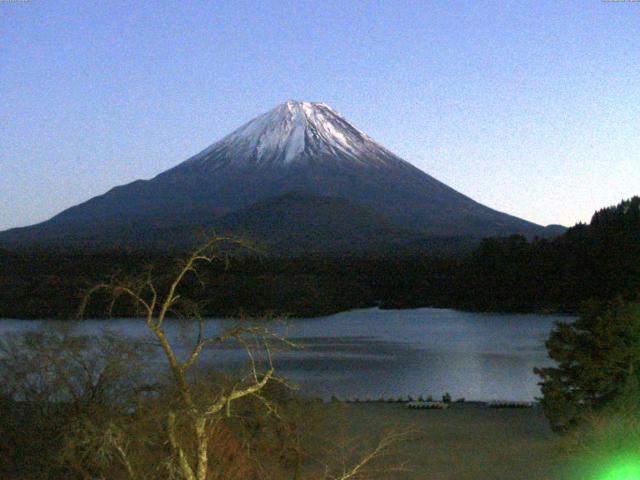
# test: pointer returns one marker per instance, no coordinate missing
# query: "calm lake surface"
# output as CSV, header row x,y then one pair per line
x,y
372,353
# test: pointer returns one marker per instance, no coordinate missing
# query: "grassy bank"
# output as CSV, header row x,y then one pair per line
x,y
465,442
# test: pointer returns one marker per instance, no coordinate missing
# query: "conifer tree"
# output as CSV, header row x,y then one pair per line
x,y
598,363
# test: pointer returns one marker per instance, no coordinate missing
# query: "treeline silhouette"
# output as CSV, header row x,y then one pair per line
x,y
596,261
599,260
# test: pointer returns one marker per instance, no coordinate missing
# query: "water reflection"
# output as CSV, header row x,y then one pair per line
x,y
374,353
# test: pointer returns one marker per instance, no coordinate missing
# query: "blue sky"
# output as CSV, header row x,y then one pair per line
x,y
530,107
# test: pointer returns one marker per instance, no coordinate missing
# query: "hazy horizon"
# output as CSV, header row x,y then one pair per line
x,y
532,110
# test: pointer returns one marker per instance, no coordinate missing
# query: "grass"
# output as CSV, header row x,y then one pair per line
x,y
463,442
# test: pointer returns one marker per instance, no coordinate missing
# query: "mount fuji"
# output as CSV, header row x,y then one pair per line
x,y
298,171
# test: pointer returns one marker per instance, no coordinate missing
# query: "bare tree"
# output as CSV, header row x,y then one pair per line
x,y
195,415
201,413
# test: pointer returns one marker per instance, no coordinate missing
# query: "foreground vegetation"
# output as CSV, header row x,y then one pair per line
x,y
465,442
592,394
116,408
97,417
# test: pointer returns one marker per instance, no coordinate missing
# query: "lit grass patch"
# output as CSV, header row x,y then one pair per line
x,y
625,468
605,447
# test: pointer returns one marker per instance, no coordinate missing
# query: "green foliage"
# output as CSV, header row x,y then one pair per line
x,y
598,363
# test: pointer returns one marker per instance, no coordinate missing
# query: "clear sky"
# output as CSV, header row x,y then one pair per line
x,y
530,107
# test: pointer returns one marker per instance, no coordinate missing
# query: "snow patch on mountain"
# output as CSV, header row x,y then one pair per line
x,y
294,132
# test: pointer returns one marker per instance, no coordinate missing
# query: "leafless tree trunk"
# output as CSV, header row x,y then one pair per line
x,y
198,414
156,308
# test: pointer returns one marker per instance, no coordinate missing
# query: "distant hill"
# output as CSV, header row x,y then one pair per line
x,y
551,231
296,223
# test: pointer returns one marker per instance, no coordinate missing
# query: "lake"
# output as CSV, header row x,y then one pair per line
x,y
373,353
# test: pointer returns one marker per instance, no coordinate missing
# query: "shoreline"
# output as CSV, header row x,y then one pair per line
x,y
293,317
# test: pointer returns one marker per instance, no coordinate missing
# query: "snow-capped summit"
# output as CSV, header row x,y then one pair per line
x,y
294,132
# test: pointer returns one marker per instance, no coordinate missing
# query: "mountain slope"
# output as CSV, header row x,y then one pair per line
x,y
298,222
296,147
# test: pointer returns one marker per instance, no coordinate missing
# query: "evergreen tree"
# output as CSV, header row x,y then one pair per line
x,y
598,362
